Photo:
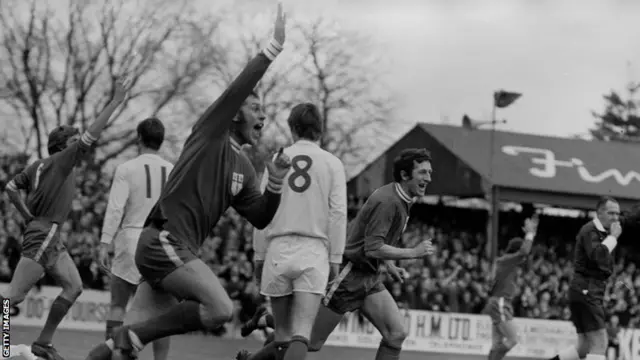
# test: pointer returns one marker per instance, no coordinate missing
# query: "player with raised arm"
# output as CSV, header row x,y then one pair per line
x,y
371,249
593,266
135,190
295,253
503,288
211,174
50,185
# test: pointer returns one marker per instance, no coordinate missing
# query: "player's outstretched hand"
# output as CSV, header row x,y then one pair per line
x,y
280,25
531,225
280,166
424,248
616,229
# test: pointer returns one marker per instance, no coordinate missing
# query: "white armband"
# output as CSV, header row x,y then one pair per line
x,y
610,242
273,49
275,184
529,236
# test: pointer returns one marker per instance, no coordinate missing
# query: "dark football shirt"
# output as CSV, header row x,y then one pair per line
x,y
51,183
381,221
212,173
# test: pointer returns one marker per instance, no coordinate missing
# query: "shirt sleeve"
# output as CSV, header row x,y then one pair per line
x,y
378,226
71,156
23,181
510,261
259,236
217,119
338,213
257,207
115,209
595,251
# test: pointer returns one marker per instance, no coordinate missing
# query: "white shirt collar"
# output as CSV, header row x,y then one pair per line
x,y
304,141
235,145
403,194
598,225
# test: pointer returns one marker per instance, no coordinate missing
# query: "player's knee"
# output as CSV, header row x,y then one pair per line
x,y
117,312
217,313
16,297
316,344
509,343
395,337
72,291
583,349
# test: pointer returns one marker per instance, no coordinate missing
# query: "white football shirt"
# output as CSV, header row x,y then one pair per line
x,y
314,201
136,188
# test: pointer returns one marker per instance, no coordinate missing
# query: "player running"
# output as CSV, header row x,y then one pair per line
x,y
593,265
136,188
370,251
211,175
293,254
50,187
503,288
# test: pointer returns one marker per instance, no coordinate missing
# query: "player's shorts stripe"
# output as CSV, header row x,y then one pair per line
x,y
501,309
148,172
336,282
46,242
169,249
163,173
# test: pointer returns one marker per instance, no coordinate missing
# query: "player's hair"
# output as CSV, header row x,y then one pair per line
x,y
58,138
514,245
151,133
406,161
305,121
603,201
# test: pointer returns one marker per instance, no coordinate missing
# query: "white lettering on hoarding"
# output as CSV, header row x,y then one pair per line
x,y
548,165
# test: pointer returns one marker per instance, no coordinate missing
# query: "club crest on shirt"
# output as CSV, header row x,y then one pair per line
x,y
236,183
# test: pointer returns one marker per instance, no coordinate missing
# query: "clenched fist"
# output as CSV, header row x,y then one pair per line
x,y
280,166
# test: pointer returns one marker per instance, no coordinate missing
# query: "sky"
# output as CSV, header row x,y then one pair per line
x,y
448,56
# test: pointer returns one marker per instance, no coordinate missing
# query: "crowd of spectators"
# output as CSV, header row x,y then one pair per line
x,y
453,279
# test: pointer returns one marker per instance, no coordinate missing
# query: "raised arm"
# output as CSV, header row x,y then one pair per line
x,y
218,117
337,214
530,229
95,129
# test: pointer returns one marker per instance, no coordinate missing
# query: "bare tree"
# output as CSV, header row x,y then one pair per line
x,y
341,73
334,68
59,65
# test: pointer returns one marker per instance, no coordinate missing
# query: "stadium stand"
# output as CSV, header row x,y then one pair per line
x,y
453,280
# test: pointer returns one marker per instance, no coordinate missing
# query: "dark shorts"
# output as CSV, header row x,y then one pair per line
x,y
159,253
121,291
350,288
587,312
499,310
42,243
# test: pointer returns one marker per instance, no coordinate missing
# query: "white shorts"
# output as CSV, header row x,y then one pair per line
x,y
295,263
124,264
